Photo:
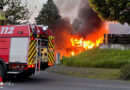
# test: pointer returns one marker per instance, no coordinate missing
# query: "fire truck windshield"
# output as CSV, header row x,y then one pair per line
x,y
44,43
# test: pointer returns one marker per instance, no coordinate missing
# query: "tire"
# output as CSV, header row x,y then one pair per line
x,y
2,71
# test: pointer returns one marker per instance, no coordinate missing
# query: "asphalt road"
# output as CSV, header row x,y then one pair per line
x,y
52,81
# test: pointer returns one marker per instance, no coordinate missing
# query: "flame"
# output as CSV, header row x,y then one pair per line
x,y
72,53
75,43
80,44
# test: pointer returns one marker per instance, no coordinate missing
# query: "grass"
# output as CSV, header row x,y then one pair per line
x,y
99,58
98,73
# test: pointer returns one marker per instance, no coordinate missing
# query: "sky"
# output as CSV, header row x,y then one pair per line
x,y
35,6
67,9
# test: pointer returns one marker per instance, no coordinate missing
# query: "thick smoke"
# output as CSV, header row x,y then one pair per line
x,y
90,20
80,9
63,31
68,8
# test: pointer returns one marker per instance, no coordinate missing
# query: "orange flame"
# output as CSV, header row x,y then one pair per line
x,y
72,53
74,44
82,44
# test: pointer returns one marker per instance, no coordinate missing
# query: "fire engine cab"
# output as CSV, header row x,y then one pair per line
x,y
25,49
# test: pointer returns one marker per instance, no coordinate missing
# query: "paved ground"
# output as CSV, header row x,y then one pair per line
x,y
52,81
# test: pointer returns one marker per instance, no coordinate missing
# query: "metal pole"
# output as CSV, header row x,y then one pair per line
x,y
58,58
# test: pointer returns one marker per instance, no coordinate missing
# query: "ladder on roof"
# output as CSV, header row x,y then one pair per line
x,y
38,57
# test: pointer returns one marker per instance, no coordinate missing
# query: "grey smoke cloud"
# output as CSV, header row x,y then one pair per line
x,y
68,8
72,9
90,20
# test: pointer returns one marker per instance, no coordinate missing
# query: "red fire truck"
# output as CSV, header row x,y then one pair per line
x,y
25,49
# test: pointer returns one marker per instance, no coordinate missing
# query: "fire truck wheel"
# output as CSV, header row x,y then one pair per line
x,y
2,71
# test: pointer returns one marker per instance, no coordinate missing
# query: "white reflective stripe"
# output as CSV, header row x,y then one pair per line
x,y
13,72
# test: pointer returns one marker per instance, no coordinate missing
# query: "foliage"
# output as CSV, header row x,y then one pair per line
x,y
112,10
15,11
125,72
99,58
49,14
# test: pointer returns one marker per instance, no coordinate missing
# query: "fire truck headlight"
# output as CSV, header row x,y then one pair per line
x,y
45,28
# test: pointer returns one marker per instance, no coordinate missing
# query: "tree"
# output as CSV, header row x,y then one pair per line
x,y
112,10
49,14
15,11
